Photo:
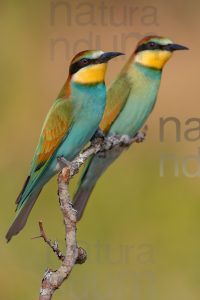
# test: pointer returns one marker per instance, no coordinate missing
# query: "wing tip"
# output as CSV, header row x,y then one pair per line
x,y
22,190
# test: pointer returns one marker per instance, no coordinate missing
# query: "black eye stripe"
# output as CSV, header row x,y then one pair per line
x,y
150,46
75,67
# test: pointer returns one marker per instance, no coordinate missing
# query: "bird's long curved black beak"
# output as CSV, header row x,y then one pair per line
x,y
105,57
175,47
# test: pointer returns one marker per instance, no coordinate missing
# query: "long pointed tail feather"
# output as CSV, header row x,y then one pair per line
x,y
25,202
82,196
22,216
93,170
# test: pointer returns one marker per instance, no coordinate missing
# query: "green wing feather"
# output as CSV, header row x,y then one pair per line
x,y
117,96
55,128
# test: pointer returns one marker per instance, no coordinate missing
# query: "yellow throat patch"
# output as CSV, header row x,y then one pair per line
x,y
90,74
153,58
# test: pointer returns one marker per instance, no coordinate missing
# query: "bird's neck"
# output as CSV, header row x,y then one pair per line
x,y
137,71
70,87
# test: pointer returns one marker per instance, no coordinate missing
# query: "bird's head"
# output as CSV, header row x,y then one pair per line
x,y
155,51
89,67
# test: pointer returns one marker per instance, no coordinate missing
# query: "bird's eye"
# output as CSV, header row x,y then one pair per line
x,y
152,45
84,61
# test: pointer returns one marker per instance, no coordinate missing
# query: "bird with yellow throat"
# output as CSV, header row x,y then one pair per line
x,y
70,124
130,100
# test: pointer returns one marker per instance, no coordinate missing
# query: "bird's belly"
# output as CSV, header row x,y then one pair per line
x,y
133,117
76,140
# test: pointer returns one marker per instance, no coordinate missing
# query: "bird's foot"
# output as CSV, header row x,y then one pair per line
x,y
74,210
69,167
125,140
63,162
139,137
98,137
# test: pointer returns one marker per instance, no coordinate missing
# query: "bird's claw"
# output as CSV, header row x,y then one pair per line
x,y
140,137
99,136
63,162
125,140
74,210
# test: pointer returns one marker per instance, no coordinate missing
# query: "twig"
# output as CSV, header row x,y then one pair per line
x,y
52,245
52,280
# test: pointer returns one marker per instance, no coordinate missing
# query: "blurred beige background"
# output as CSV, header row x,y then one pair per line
x,y
141,230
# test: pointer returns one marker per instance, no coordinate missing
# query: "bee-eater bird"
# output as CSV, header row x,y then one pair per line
x,y
70,124
130,100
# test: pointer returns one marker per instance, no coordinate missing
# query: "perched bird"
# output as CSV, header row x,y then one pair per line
x,y
70,124
130,100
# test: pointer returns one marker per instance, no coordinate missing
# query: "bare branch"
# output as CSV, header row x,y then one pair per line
x,y
52,280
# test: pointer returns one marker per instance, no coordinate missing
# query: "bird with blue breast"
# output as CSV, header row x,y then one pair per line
x,y
70,124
